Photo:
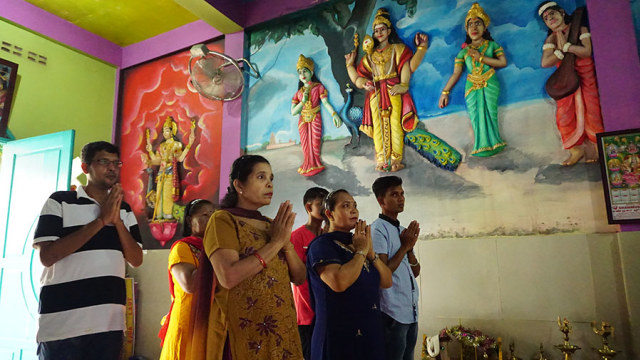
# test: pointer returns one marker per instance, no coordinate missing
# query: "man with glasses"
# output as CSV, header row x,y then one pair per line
x,y
84,238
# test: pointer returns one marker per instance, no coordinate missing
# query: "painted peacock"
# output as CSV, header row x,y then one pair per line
x,y
427,144
434,149
352,118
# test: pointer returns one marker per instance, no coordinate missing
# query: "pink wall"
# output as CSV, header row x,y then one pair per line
x,y
177,39
231,117
617,66
247,13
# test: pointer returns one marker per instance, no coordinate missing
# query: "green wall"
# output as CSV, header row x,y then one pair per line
x,y
73,91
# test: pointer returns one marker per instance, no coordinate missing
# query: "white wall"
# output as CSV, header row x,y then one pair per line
x,y
153,301
513,287
516,288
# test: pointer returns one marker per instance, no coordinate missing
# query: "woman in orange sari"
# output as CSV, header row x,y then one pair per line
x,y
578,115
184,261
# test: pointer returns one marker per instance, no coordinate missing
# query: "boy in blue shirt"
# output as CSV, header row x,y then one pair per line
x,y
394,245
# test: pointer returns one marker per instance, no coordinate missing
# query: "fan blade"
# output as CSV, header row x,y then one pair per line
x,y
216,76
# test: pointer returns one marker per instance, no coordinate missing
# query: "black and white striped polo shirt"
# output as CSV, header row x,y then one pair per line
x,y
84,292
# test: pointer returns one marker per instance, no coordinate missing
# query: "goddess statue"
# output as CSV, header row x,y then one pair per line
x,y
578,116
481,56
306,103
384,72
167,155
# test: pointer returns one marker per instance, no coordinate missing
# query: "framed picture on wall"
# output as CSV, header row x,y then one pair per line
x,y
8,74
620,164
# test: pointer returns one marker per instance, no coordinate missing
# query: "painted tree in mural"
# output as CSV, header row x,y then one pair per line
x,y
336,26
341,21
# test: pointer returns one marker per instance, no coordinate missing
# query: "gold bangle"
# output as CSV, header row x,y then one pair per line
x,y
333,114
480,60
446,92
421,48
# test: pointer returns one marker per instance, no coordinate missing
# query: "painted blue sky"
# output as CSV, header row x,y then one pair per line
x,y
514,25
635,11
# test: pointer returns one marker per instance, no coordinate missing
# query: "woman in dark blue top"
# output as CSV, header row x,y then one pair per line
x,y
344,277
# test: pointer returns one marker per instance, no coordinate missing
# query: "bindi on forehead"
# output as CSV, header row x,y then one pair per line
x,y
475,22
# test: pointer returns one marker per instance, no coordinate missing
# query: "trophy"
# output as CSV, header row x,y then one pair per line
x,y
512,351
541,353
605,330
566,348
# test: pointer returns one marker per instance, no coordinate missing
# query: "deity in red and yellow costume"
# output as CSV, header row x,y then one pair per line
x,y
167,156
384,72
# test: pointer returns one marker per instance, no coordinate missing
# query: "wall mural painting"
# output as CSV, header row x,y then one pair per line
x,y
170,143
635,12
306,103
491,157
573,84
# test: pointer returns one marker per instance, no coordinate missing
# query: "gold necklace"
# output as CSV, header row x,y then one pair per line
x,y
382,57
479,46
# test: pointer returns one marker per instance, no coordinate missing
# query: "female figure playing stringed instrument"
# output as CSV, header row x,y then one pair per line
x,y
481,56
578,115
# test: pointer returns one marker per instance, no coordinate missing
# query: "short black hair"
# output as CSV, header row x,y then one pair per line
x,y
332,197
90,150
382,184
314,193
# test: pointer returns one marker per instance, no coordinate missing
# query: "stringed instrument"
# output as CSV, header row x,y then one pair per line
x,y
565,81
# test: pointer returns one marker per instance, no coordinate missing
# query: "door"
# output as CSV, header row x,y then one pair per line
x,y
31,170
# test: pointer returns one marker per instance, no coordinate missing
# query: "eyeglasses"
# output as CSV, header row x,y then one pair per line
x,y
106,162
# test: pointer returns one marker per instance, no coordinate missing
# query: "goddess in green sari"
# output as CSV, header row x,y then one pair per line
x,y
481,56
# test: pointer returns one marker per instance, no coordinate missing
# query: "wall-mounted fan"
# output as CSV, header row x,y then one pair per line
x,y
217,76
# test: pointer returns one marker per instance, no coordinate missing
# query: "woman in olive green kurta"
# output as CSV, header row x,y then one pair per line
x,y
252,315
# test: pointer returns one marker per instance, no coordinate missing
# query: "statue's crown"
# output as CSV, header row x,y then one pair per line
x,y
305,62
477,11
